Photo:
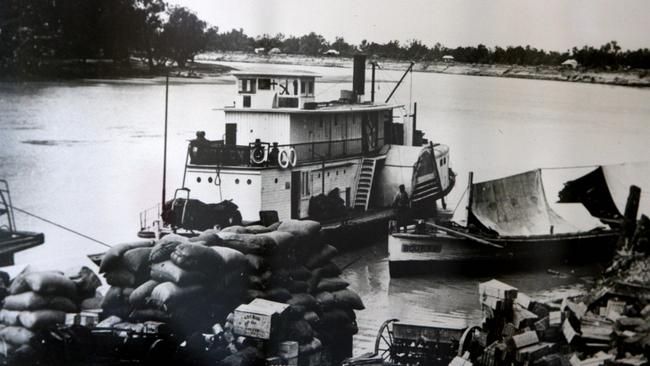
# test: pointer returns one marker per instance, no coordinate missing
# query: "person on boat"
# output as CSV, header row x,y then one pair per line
x,y
273,154
198,154
402,204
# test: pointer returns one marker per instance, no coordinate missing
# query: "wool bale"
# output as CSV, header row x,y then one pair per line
x,y
237,229
17,336
300,228
39,319
299,331
300,273
85,279
9,317
306,300
278,294
168,271
121,278
45,283
208,238
255,294
255,283
94,302
331,284
195,257
137,260
277,278
329,269
116,297
348,299
294,312
321,258
113,256
169,294
257,263
296,287
139,296
165,246
325,300
284,241
233,259
33,301
334,318
312,318
261,229
248,243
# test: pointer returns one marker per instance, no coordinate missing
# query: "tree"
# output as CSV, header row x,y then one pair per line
x,y
312,44
149,28
343,47
184,35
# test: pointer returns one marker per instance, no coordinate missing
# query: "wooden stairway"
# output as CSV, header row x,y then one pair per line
x,y
365,179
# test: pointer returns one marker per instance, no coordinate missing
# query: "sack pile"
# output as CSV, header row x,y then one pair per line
x,y
125,267
39,301
295,267
186,284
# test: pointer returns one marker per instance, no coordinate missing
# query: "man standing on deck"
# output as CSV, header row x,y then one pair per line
x,y
402,204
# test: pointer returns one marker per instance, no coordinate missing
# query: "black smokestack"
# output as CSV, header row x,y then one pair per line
x,y
359,75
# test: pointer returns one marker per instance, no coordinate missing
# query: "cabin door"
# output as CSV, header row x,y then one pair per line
x,y
370,127
231,134
295,195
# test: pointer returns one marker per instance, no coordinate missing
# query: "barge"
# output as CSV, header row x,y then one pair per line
x,y
509,223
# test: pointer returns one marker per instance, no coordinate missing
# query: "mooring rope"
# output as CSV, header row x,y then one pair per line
x,y
61,226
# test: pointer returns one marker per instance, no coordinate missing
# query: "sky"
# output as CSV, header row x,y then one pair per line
x,y
547,24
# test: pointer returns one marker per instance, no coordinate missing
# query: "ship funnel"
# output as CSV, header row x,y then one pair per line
x,y
359,75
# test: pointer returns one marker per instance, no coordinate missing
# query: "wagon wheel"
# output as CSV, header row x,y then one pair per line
x,y
384,341
466,340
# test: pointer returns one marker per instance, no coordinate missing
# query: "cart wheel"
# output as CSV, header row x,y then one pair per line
x,y
466,340
384,341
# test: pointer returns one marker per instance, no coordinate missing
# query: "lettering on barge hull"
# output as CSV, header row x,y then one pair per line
x,y
421,248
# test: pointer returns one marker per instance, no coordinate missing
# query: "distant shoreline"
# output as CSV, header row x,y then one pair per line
x,y
634,78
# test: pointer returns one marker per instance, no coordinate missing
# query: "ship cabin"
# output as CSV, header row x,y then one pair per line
x,y
277,147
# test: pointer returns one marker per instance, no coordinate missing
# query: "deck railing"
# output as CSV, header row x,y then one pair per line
x,y
216,153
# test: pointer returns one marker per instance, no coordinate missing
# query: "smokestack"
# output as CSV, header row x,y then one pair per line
x,y
359,75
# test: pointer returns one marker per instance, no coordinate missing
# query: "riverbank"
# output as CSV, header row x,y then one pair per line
x,y
636,78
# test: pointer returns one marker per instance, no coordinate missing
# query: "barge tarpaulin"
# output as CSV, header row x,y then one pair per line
x,y
516,206
604,190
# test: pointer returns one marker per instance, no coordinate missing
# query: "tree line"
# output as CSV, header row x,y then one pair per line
x,y
37,34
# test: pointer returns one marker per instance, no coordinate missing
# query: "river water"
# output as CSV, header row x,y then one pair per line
x,y
88,155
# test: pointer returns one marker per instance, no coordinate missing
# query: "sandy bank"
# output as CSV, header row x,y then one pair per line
x,y
637,78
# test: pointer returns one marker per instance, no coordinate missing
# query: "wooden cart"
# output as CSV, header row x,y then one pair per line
x,y
405,343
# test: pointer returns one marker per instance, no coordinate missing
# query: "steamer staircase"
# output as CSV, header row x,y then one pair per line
x,y
364,182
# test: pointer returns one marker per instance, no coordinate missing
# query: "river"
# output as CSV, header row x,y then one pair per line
x,y
88,155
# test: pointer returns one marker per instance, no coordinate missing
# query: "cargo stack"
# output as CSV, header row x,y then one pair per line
x,y
196,284
40,301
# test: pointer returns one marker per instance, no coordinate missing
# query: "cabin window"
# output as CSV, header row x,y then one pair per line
x,y
285,102
247,86
295,87
303,88
264,84
247,101
304,180
310,88
236,180
198,179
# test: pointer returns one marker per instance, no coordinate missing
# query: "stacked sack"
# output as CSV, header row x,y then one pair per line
x,y
292,265
39,301
188,284
125,267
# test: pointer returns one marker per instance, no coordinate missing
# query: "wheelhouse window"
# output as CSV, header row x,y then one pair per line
x,y
295,87
264,84
310,88
247,86
303,87
305,184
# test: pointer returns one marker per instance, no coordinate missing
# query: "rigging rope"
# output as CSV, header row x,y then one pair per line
x,y
460,200
61,226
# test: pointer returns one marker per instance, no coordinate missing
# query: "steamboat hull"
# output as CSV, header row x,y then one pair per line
x,y
437,253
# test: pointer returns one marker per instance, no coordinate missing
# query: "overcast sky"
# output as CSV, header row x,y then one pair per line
x,y
548,24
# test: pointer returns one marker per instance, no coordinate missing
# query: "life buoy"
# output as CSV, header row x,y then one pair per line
x,y
283,159
293,157
259,155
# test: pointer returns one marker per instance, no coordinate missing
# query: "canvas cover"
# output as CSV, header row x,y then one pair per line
x,y
604,190
516,206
